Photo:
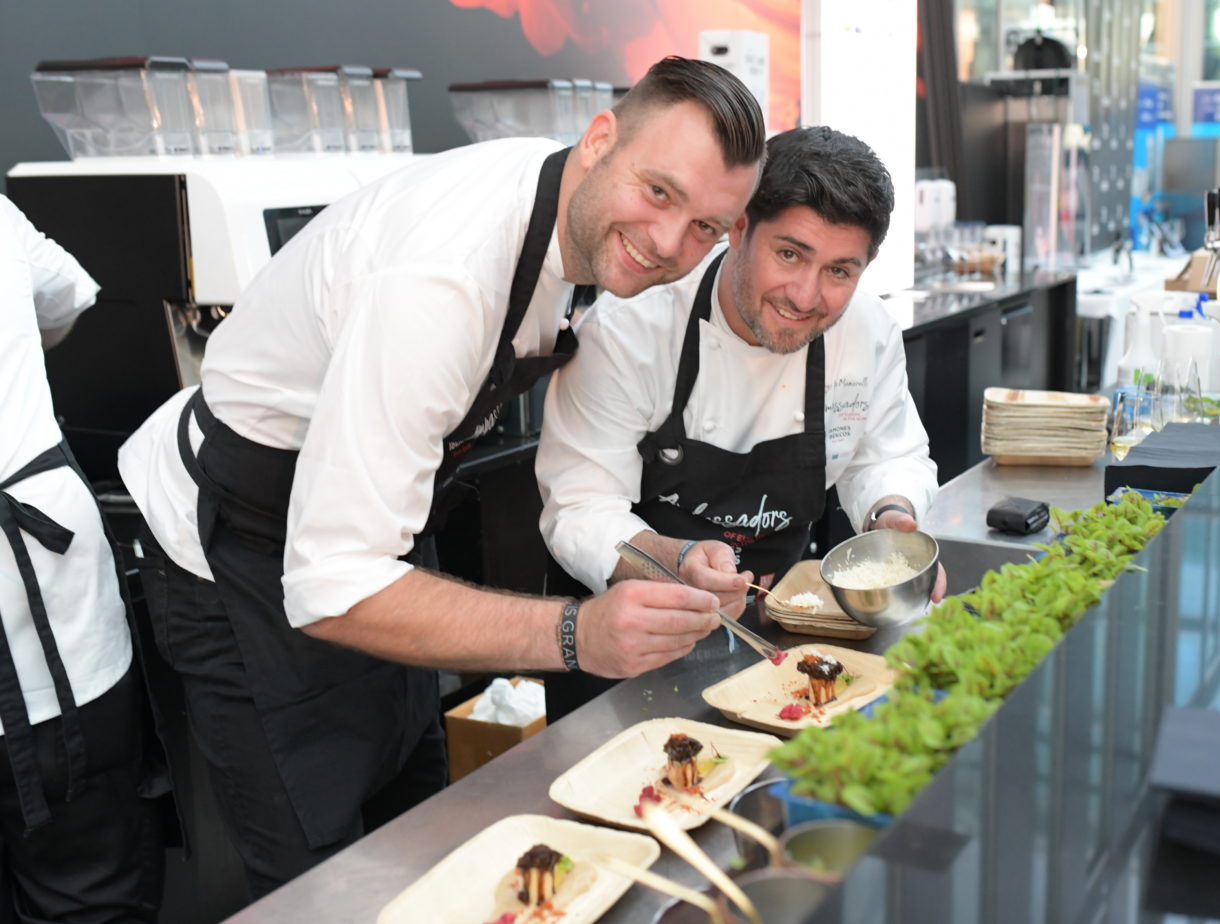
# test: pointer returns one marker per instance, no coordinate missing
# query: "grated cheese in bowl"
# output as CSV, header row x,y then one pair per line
x,y
870,575
807,600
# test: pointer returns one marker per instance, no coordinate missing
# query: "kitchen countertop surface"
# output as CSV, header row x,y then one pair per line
x,y
1046,815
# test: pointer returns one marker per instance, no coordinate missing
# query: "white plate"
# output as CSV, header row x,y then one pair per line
x,y
754,697
461,887
606,785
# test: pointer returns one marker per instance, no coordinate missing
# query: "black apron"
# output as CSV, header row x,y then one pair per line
x,y
339,723
762,502
787,475
17,517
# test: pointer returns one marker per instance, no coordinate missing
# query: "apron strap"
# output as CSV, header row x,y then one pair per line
x,y
525,277
669,436
672,432
815,390
211,493
17,517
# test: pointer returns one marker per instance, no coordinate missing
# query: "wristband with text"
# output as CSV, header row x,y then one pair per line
x,y
567,636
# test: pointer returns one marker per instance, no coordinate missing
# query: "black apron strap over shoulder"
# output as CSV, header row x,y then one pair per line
x,y
15,518
670,434
509,376
815,389
521,292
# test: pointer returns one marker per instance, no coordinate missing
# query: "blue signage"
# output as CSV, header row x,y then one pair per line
x,y
1154,104
1206,105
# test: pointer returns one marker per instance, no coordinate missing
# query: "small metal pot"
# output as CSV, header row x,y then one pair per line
x,y
780,896
828,847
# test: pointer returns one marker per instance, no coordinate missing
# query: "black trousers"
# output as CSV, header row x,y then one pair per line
x,y
195,637
101,859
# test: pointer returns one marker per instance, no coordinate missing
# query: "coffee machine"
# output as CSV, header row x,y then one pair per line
x,y
172,241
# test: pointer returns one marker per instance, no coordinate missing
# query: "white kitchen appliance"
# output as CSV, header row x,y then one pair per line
x,y
745,54
172,241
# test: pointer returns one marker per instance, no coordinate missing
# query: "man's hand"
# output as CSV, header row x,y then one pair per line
x,y
905,523
638,626
712,565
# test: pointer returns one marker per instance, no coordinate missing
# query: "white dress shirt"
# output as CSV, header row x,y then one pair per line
x,y
620,386
43,287
362,344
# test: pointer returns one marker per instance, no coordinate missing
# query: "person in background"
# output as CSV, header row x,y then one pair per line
x,y
754,385
80,843
290,500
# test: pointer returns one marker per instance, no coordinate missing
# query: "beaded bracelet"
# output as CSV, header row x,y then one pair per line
x,y
682,554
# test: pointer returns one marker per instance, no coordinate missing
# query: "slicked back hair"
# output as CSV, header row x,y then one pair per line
x,y
836,175
736,117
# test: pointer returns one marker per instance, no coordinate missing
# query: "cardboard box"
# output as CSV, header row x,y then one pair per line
x,y
472,743
1192,277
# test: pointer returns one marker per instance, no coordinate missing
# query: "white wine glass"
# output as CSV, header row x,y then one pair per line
x,y
1147,415
1124,430
1190,393
1169,389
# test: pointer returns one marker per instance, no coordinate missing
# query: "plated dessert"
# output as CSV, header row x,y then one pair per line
x,y
541,887
814,685
525,869
651,760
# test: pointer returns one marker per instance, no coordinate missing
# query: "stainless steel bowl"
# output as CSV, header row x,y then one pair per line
x,y
828,846
781,896
884,606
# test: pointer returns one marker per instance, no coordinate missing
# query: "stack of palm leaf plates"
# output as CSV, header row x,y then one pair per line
x,y
1026,427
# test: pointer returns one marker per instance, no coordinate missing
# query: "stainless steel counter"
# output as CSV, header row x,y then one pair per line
x,y
960,510
1017,810
354,885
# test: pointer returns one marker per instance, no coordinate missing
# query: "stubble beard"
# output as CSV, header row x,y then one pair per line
x,y
750,308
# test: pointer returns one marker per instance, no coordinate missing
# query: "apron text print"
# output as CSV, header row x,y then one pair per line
x,y
759,521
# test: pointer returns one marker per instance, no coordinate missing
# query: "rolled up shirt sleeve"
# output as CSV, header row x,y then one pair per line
x,y
588,467
407,363
892,456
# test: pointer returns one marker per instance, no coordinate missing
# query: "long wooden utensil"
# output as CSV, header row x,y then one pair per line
x,y
733,820
661,884
665,830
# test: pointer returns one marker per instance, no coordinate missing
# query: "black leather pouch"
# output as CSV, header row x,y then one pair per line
x,y
1018,515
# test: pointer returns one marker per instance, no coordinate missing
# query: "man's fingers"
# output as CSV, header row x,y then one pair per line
x,y
941,585
894,519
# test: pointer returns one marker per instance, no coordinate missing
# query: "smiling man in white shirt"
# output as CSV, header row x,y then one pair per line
x,y
705,420
288,497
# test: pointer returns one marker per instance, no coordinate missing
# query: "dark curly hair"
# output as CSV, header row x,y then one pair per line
x,y
836,175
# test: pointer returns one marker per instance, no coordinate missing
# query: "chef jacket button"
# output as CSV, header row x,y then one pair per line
x,y
714,344
564,324
800,416
709,425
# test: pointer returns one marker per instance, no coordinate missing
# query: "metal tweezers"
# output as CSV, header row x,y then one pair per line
x,y
648,565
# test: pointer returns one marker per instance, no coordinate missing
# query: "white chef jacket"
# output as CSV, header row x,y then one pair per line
x,y
362,344
621,384
42,286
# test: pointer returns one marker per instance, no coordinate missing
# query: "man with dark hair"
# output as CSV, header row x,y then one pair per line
x,y
289,499
704,421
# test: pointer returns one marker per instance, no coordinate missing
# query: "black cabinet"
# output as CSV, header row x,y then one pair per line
x,y
1024,345
1025,338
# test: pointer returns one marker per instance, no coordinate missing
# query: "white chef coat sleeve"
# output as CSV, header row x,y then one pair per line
x,y
588,467
61,287
892,457
406,364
